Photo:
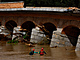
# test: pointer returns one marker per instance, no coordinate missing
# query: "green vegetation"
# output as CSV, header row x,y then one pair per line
x,y
13,41
49,3
16,40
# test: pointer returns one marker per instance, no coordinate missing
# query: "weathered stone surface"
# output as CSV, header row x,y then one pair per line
x,y
36,35
59,40
78,44
16,32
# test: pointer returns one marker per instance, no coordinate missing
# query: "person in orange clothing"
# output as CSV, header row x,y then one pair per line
x,y
42,52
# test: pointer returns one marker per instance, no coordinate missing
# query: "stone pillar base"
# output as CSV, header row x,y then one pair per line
x,y
59,39
78,44
36,35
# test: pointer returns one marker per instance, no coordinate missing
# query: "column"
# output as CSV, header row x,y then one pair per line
x,y
78,44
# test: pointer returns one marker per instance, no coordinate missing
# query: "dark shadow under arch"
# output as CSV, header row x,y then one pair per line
x,y
10,25
28,25
72,32
50,27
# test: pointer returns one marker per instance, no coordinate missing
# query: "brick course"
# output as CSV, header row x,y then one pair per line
x,y
11,5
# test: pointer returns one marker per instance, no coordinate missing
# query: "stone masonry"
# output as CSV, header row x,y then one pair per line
x,y
62,40
36,35
16,32
78,44
5,31
59,40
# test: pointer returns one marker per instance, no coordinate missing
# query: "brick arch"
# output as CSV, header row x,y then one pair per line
x,y
12,20
70,25
49,23
49,27
26,23
11,24
72,32
71,22
54,23
27,19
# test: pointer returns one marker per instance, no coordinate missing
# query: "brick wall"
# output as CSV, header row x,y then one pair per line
x,y
11,5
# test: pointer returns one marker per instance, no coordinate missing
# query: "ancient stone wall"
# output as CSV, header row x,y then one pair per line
x,y
17,32
78,44
36,35
59,40
5,31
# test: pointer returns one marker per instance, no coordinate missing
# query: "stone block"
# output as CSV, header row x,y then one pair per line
x,y
54,39
53,44
14,31
35,33
61,38
37,28
13,36
41,35
40,38
23,33
68,44
56,32
53,36
36,37
57,36
32,36
33,30
6,33
33,40
0,30
66,39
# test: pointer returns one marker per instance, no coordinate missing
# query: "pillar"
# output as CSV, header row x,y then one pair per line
x,y
59,39
78,44
36,35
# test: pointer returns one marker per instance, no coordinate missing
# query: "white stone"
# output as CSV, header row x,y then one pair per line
x,y
37,28
6,33
24,33
0,30
59,29
34,30
41,35
32,36
36,37
35,33
33,40
78,44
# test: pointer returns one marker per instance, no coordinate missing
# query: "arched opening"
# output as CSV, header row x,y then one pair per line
x,y
10,25
0,24
72,32
50,28
28,25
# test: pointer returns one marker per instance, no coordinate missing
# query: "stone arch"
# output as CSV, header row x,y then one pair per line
x,y
72,32
50,27
10,25
28,25
49,20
